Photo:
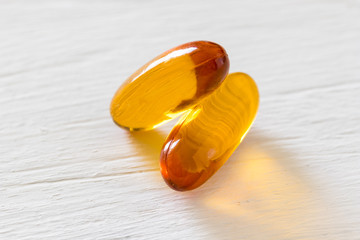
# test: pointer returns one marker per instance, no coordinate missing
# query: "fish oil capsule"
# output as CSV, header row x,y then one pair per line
x,y
169,84
204,139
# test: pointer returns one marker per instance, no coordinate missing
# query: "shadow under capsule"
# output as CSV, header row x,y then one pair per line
x,y
149,144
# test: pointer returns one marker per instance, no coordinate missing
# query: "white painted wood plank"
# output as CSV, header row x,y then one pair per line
x,y
67,172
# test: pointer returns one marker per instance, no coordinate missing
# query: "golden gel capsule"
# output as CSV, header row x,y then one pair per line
x,y
204,139
169,84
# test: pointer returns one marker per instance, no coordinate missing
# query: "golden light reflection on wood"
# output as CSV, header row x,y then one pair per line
x,y
262,191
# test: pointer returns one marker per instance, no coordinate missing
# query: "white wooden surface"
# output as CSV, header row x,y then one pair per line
x,y
68,172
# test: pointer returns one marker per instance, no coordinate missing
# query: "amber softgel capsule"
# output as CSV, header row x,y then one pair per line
x,y
169,85
219,113
204,139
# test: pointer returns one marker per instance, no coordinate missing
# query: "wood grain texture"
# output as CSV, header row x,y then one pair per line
x,y
68,172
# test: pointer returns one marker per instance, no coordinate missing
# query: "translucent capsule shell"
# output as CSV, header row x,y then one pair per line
x,y
204,139
169,84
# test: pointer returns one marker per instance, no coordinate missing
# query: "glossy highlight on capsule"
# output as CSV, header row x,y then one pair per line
x,y
168,85
205,138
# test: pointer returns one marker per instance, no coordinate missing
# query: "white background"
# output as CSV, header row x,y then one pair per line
x,y
68,172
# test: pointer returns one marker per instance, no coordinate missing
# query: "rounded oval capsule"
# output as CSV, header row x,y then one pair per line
x,y
169,84
204,139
